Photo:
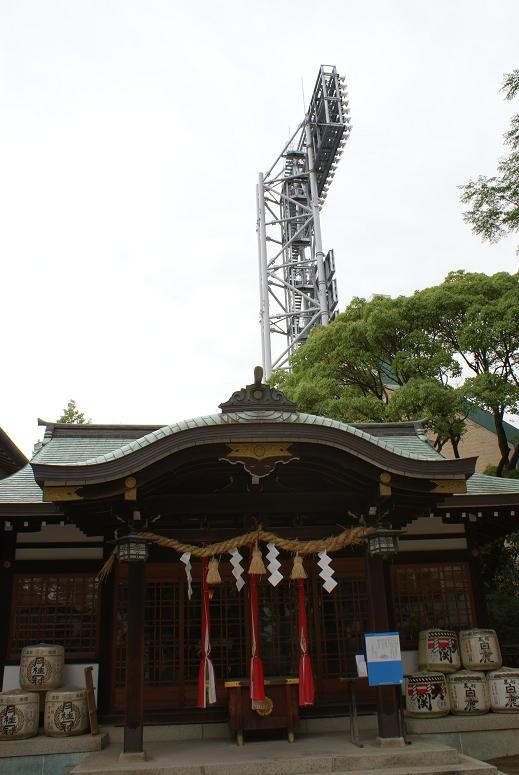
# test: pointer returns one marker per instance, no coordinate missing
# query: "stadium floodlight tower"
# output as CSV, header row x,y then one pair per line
x,y
297,285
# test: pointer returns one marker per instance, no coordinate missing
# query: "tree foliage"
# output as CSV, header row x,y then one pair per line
x,y
499,564
494,201
476,318
376,363
404,359
71,414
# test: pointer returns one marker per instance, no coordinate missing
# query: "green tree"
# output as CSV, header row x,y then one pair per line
x,y
440,406
499,564
71,414
476,318
376,363
494,201
402,359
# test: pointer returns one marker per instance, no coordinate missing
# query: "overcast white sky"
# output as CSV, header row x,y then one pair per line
x,y
131,135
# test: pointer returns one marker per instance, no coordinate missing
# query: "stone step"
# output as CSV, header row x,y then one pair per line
x,y
465,766
313,755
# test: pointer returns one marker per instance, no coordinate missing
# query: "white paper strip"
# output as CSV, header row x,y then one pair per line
x,y
186,559
237,568
329,585
273,565
326,572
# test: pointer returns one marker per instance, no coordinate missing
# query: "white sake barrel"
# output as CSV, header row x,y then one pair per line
x,y
480,650
426,694
66,712
41,667
438,650
19,714
504,690
468,693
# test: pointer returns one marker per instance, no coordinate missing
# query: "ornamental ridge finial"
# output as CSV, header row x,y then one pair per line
x,y
258,397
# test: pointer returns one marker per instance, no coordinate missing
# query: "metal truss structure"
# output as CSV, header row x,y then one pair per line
x,y
297,284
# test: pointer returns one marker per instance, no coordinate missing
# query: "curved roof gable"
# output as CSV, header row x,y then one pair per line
x,y
291,427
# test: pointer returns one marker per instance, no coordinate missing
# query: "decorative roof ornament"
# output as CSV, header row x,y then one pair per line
x,y
258,397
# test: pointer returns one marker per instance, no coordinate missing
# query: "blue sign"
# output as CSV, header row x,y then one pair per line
x,y
383,658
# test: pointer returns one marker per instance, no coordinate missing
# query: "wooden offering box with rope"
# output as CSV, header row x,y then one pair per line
x,y
280,711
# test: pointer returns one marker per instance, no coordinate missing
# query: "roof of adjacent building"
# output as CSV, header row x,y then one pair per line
x,y
11,458
485,419
479,416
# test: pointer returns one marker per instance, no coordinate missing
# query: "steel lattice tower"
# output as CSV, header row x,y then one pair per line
x,y
297,284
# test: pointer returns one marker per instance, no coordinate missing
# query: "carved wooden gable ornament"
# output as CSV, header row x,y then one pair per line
x,y
258,397
258,402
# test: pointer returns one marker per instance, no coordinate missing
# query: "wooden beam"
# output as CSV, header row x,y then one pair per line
x,y
250,503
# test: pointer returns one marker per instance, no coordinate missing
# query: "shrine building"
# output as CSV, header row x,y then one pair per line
x,y
93,494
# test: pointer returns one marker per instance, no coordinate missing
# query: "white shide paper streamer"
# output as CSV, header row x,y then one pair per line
x,y
273,565
186,559
326,572
237,568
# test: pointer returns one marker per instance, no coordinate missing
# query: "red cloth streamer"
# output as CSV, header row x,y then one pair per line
x,y
257,685
306,678
206,679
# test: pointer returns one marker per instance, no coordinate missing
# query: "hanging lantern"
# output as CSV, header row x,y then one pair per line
x,y
132,548
383,542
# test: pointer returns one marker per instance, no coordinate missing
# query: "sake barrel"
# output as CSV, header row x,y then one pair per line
x,y
480,650
468,693
504,690
19,714
41,667
438,650
426,694
66,712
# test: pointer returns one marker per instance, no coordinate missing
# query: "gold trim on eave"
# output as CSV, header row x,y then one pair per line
x,y
130,488
61,494
453,486
258,450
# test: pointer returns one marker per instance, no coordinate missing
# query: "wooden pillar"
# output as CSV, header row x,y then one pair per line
x,y
107,593
7,556
135,659
478,591
387,698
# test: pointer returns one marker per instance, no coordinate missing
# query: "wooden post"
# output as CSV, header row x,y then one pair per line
x,y
7,555
478,592
91,701
387,698
106,591
135,660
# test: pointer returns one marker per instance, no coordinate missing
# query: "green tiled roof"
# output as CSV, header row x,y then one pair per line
x,y
417,446
75,449
485,419
480,484
79,448
20,487
406,447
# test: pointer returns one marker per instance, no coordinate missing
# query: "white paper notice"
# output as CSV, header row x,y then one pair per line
x,y
383,648
362,668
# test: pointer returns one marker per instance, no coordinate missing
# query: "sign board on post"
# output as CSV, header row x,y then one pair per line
x,y
384,658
